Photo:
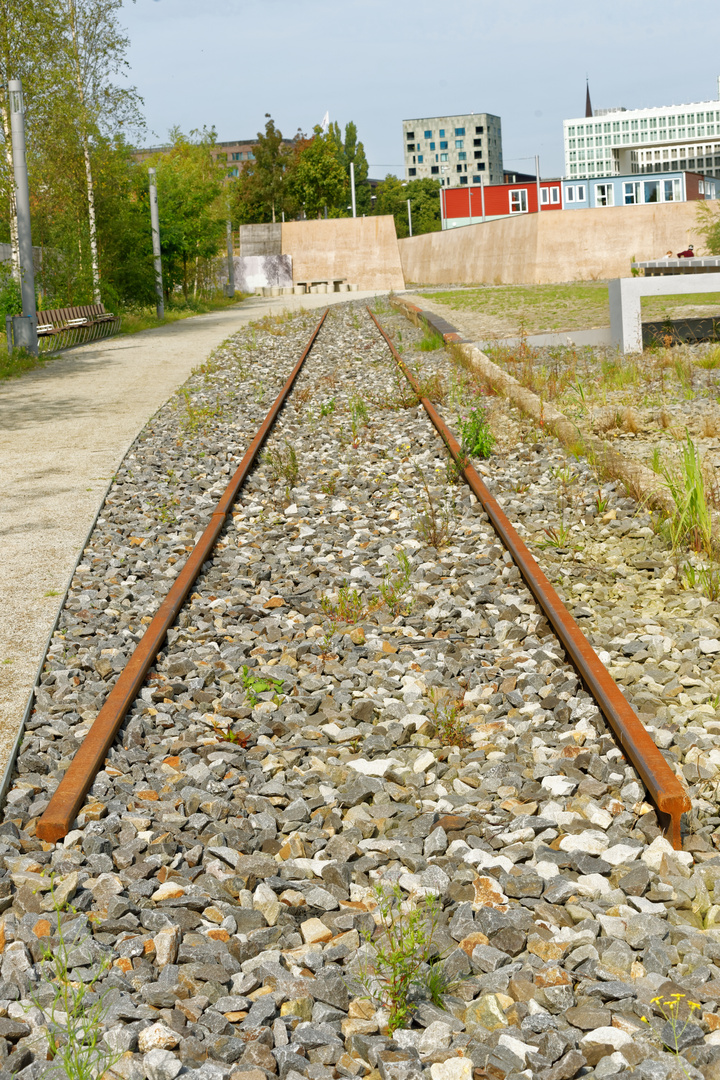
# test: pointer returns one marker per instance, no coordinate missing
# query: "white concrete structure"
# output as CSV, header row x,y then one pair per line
x,y
625,293
669,138
456,150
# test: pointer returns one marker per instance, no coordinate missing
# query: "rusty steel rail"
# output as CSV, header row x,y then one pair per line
x,y
663,787
75,784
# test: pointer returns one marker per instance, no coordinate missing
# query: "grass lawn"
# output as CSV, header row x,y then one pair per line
x,y
505,310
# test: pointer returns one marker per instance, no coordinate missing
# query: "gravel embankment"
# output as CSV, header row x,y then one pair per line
x,y
220,892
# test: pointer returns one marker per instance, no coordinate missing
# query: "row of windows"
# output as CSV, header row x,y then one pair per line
x,y
459,131
435,170
646,124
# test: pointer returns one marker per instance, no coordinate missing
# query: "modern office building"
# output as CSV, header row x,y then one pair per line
x,y
617,142
456,150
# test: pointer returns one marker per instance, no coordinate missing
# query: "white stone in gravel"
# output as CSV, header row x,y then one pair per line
x,y
592,885
709,645
157,1037
661,848
456,1068
378,767
338,505
546,870
484,861
167,943
266,902
598,816
590,842
424,761
161,1065
290,510
620,853
608,1036
559,785
647,907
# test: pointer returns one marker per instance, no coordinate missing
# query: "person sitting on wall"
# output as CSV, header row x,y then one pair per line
x,y
688,254
668,255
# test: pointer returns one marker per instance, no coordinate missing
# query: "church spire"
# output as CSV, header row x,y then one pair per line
x,y
588,106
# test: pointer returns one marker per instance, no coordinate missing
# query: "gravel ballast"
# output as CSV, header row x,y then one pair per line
x,y
293,749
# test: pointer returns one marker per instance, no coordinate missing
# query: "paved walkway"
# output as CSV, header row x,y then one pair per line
x,y
63,431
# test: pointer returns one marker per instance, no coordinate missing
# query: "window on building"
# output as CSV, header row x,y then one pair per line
x,y
481,166
631,193
444,168
709,188
701,187
442,133
625,125
236,157
604,195
428,134
570,194
555,195
443,157
250,155
580,193
459,131
233,172
477,142
616,125
476,179
544,196
518,202
477,155
412,172
651,191
411,147
458,168
410,136
463,180
479,130
459,143
434,169
462,156
420,159
443,145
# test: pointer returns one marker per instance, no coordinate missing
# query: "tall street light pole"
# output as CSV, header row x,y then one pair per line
x,y
155,224
25,329
352,188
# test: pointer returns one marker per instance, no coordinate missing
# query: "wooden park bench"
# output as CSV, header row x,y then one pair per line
x,y
61,328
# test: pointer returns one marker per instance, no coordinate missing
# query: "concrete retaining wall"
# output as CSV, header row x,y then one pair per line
x,y
573,245
260,240
364,251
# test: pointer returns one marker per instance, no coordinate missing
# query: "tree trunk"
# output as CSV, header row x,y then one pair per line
x,y
86,154
14,245
91,219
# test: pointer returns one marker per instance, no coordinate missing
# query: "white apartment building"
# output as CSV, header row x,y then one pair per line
x,y
456,150
615,142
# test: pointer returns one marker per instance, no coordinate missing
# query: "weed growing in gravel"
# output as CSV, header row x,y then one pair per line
x,y
328,486
348,608
558,536
601,502
395,587
710,360
438,983
76,1014
256,684
358,417
431,340
438,521
327,408
704,578
283,464
450,728
197,417
402,944
475,435
226,734
672,1030
691,524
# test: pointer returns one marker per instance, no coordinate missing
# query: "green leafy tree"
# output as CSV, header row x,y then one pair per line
x,y
354,152
193,211
392,197
262,190
319,178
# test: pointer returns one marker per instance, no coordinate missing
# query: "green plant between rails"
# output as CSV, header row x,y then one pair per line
x,y
476,437
257,684
401,947
438,520
431,340
76,1013
196,418
450,728
395,587
283,464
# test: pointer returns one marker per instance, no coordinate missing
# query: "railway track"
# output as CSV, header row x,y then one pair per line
x,y
361,688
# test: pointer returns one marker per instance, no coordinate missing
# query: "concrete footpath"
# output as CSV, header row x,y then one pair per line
x,y
64,430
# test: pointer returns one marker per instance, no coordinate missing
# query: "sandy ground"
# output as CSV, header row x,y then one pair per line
x,y
472,324
64,430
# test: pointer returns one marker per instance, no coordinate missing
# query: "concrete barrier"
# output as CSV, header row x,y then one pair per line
x,y
363,251
572,245
625,294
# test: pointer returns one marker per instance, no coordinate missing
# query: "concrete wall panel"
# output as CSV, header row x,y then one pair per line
x,y
364,251
577,245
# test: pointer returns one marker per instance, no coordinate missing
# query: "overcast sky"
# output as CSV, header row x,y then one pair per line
x,y
228,62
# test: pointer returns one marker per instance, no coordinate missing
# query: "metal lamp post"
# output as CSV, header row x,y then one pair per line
x,y
24,326
155,225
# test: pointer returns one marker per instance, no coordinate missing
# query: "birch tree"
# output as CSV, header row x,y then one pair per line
x,y
95,47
